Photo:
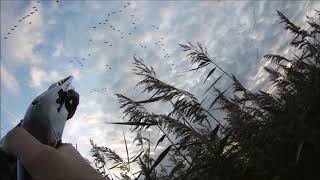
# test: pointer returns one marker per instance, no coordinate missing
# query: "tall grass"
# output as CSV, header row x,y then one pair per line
x,y
262,135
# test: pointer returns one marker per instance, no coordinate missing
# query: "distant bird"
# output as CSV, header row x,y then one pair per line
x,y
163,49
124,6
38,1
34,7
113,12
36,10
133,23
110,45
118,30
110,68
28,15
106,42
129,33
20,20
9,33
89,54
108,14
135,27
15,26
29,22
94,27
132,15
100,23
90,40
162,38
83,59
128,4
107,20
23,17
32,13
107,65
57,1
5,38
110,26
121,37
12,29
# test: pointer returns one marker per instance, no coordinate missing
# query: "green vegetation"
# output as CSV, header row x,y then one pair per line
x,y
261,135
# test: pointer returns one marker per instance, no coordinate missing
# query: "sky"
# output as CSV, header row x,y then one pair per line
x,y
95,41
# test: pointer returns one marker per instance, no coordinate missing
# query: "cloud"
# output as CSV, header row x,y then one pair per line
x,y
9,81
58,49
19,48
39,77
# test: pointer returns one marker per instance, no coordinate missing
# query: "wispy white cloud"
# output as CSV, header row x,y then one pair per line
x,y
9,81
20,47
40,76
58,49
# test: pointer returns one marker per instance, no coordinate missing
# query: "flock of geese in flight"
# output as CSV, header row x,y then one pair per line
x,y
107,22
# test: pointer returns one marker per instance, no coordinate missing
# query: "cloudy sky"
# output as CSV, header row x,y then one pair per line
x,y
50,40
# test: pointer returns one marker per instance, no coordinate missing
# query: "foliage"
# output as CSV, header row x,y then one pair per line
x,y
264,135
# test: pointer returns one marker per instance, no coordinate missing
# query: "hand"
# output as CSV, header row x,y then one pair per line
x,y
45,162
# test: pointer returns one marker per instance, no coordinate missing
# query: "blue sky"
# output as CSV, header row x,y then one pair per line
x,y
39,50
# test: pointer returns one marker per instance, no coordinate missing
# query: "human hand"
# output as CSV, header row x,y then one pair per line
x,y
44,162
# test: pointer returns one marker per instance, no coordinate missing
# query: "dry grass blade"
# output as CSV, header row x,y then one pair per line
x,y
125,142
159,141
160,158
212,70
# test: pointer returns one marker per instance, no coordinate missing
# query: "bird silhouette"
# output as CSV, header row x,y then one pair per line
x,y
5,38
106,42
